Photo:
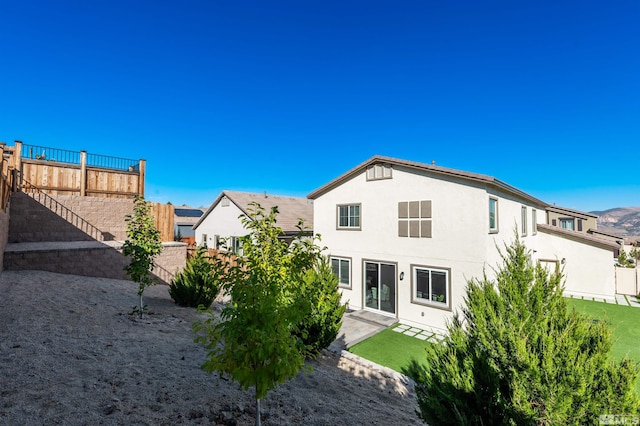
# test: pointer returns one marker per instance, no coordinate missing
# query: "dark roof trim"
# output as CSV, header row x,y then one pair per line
x,y
443,171
576,213
578,236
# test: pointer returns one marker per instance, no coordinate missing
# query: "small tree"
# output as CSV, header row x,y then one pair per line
x,y
254,341
518,356
142,245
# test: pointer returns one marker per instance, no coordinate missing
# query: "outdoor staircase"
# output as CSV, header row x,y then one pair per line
x,y
46,235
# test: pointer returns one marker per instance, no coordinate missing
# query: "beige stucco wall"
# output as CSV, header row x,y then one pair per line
x,y
590,223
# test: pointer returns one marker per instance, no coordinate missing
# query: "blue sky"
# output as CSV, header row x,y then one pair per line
x,y
284,96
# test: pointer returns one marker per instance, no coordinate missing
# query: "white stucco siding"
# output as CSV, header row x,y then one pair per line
x,y
222,221
510,224
588,269
459,236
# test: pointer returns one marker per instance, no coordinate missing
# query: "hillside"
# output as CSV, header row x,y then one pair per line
x,y
623,221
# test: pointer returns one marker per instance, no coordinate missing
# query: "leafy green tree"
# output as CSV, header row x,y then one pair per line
x,y
198,283
254,340
142,245
517,355
321,326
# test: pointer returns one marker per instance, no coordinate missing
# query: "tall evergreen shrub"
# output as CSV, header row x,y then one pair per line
x,y
197,284
517,355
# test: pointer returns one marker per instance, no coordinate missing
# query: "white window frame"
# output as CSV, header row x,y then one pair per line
x,y
236,245
350,225
446,305
339,274
495,229
534,221
523,218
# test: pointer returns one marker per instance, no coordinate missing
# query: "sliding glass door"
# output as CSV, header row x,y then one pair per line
x,y
380,286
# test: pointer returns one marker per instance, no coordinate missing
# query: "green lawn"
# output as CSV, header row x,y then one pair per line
x,y
624,320
395,350
391,349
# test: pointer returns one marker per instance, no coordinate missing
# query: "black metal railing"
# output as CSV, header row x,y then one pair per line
x,y
43,153
113,163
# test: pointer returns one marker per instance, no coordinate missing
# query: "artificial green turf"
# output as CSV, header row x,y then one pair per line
x,y
391,349
395,350
623,320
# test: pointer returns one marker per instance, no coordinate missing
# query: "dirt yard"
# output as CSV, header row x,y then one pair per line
x,y
71,354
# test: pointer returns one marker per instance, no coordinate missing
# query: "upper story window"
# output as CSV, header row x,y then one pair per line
x,y
534,222
493,215
431,286
524,221
224,202
379,171
342,270
349,216
414,219
567,223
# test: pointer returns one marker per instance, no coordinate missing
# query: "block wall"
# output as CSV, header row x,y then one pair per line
x,y
103,262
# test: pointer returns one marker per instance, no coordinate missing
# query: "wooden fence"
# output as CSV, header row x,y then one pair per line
x,y
163,214
60,172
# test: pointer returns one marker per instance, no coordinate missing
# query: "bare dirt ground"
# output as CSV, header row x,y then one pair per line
x,y
71,354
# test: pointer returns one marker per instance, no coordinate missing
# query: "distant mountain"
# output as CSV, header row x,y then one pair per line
x,y
623,221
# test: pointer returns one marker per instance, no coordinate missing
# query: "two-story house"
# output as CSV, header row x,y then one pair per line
x,y
221,222
405,237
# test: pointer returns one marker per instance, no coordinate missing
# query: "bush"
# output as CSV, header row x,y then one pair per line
x,y
318,329
197,284
519,355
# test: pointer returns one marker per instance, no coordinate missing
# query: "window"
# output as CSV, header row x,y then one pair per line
x,y
493,215
534,222
431,286
236,245
216,242
414,219
342,269
567,223
224,202
204,240
524,221
379,171
349,216
580,225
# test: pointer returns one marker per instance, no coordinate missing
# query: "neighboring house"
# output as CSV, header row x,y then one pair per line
x,y
221,222
405,237
572,220
184,218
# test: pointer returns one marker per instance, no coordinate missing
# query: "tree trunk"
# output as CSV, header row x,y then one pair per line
x,y
141,306
257,412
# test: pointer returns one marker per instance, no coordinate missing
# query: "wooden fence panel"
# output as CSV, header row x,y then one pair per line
x,y
163,213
